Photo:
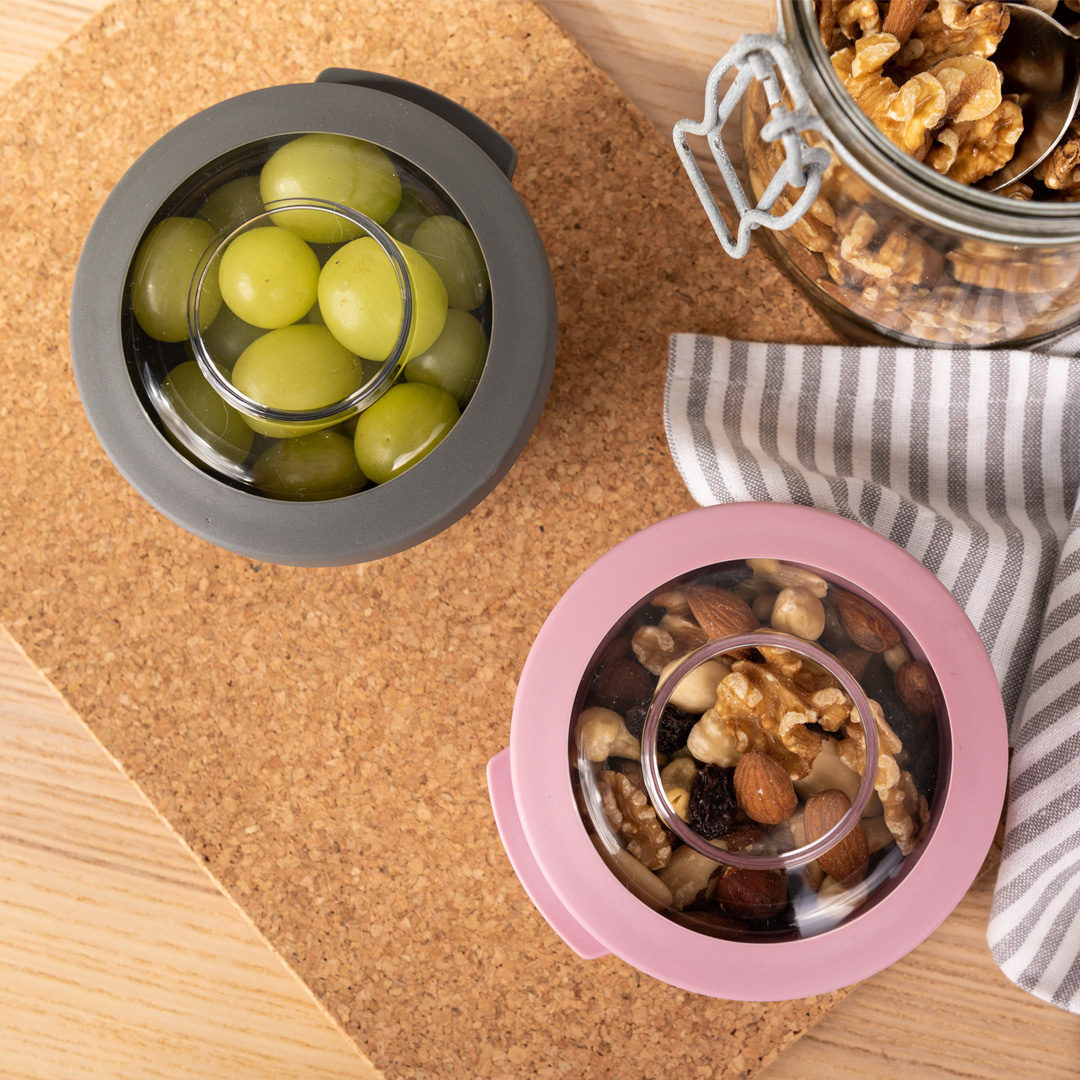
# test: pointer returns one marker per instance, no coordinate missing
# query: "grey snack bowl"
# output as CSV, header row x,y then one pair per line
x,y
468,160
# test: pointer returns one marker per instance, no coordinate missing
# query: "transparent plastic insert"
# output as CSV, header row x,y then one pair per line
x,y
719,755
307,317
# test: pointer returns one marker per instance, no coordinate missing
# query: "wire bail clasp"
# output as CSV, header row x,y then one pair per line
x,y
757,56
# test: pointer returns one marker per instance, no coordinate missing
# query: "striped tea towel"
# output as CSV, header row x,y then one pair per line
x,y
971,462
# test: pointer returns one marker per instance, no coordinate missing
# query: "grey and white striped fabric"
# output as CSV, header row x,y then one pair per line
x,y
971,462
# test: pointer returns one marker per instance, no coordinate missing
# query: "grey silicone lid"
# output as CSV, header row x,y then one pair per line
x,y
429,496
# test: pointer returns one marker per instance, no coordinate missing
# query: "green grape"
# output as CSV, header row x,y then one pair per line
x,y
335,168
314,315
296,367
227,337
454,252
360,300
401,427
233,202
269,277
402,224
456,358
161,276
320,465
211,420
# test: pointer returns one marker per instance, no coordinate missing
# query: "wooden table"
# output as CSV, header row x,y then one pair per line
x,y
219,992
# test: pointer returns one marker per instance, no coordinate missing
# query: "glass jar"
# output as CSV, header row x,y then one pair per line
x,y
888,248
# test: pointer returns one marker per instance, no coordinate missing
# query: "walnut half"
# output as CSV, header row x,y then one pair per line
x,y
627,808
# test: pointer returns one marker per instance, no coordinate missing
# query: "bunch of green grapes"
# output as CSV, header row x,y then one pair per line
x,y
302,308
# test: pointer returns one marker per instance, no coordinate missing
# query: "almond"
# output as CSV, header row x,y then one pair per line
x,y
720,612
863,623
847,860
751,894
918,688
901,17
763,789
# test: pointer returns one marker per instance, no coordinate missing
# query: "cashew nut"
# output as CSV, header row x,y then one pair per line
x,y
710,743
672,639
696,691
878,834
601,734
687,874
679,798
782,575
798,611
673,601
682,772
829,771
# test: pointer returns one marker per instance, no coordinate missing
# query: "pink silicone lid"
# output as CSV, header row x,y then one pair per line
x,y
900,914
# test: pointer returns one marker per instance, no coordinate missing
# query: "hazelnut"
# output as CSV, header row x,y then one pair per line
x,y
918,688
798,611
751,894
696,692
623,684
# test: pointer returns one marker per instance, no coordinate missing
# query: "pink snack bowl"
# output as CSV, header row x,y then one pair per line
x,y
541,827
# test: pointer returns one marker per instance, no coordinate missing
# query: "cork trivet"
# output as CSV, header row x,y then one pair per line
x,y
320,736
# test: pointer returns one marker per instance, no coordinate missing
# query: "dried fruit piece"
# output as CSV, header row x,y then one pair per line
x,y
623,684
751,894
720,612
763,789
864,623
856,660
630,814
847,860
918,688
712,802
671,731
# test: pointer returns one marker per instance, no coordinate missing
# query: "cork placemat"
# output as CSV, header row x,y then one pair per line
x,y
319,736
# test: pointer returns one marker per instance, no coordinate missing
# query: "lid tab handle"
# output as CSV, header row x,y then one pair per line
x,y
499,149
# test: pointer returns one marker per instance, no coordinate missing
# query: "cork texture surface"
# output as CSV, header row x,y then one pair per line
x,y
320,736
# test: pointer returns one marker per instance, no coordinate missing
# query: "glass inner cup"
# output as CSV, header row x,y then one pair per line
x,y
307,317
215,353
719,756
791,847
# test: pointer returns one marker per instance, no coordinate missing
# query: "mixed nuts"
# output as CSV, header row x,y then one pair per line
x,y
923,72
762,751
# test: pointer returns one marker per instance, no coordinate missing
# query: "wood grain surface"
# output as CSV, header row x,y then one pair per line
x,y
944,1011
120,956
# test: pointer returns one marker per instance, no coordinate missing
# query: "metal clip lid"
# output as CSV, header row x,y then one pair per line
x,y
756,56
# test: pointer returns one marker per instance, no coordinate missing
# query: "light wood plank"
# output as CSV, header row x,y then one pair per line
x,y
120,956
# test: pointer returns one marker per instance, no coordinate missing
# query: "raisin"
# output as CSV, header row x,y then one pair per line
x,y
671,732
712,801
